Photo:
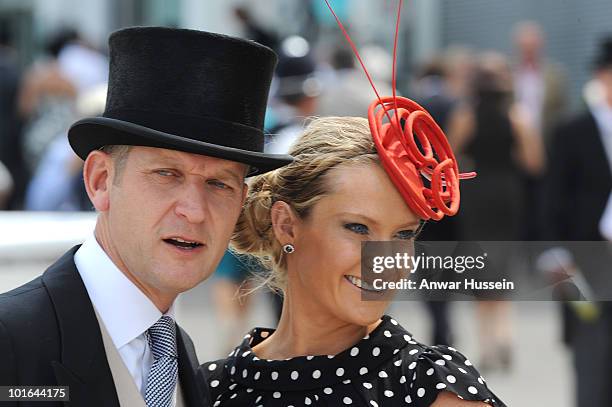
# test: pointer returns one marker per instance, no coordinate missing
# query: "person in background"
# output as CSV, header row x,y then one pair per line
x,y
432,90
540,88
296,94
46,99
253,30
11,154
83,65
539,84
232,286
460,63
6,185
491,134
347,92
57,184
605,225
579,184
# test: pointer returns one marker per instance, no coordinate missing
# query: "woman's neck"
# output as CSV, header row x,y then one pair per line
x,y
306,329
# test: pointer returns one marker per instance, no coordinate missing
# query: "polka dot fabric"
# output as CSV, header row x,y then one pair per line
x,y
386,368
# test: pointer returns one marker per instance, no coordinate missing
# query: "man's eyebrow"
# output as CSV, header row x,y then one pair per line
x,y
160,160
237,175
239,178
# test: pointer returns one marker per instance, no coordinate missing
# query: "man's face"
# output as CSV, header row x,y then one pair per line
x,y
530,42
604,76
170,216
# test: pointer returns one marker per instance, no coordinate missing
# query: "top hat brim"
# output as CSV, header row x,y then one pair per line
x,y
93,133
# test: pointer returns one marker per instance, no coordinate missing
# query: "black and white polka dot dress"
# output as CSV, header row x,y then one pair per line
x,y
386,368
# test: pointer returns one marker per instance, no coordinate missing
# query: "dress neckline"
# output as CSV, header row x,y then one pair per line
x,y
312,372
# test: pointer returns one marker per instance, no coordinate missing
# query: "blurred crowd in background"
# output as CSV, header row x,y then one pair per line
x,y
543,152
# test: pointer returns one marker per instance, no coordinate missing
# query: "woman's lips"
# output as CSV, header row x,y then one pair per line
x,y
362,285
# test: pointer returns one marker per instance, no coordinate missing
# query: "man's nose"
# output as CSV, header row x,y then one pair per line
x,y
192,203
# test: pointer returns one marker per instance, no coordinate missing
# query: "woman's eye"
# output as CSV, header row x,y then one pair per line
x,y
409,233
357,228
406,234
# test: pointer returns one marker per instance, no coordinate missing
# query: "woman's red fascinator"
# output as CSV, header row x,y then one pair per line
x,y
426,174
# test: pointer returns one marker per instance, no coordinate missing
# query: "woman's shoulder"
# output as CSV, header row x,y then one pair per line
x,y
215,374
430,371
219,374
214,369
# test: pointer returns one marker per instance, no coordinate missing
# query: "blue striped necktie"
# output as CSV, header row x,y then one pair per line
x,y
164,370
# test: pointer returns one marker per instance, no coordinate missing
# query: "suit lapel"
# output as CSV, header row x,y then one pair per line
x,y
194,390
83,365
597,151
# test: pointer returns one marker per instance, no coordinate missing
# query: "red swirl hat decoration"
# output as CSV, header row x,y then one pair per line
x,y
426,174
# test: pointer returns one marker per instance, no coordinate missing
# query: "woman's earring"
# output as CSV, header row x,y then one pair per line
x,y
288,248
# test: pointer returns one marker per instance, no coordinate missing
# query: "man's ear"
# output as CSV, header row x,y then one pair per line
x,y
284,222
97,175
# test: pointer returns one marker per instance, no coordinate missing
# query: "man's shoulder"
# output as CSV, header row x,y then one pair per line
x,y
30,323
569,128
16,294
28,331
30,305
26,313
30,293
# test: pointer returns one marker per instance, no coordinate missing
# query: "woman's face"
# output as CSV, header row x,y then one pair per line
x,y
363,205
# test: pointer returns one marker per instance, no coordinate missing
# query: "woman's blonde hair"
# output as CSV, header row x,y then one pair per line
x,y
325,144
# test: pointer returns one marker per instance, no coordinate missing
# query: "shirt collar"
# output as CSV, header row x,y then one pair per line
x,y
603,116
125,310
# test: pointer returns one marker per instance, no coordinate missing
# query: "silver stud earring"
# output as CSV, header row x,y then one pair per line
x,y
288,248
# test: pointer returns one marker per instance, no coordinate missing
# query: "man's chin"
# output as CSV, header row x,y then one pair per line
x,y
180,282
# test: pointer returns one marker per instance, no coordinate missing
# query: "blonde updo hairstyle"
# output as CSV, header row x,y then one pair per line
x,y
325,144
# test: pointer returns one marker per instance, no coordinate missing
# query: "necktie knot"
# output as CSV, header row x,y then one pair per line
x,y
162,338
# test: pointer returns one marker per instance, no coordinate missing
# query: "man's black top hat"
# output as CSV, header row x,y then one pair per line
x,y
184,90
604,58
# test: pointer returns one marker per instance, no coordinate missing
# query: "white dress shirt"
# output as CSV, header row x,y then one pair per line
x,y
126,311
602,113
605,224
529,90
